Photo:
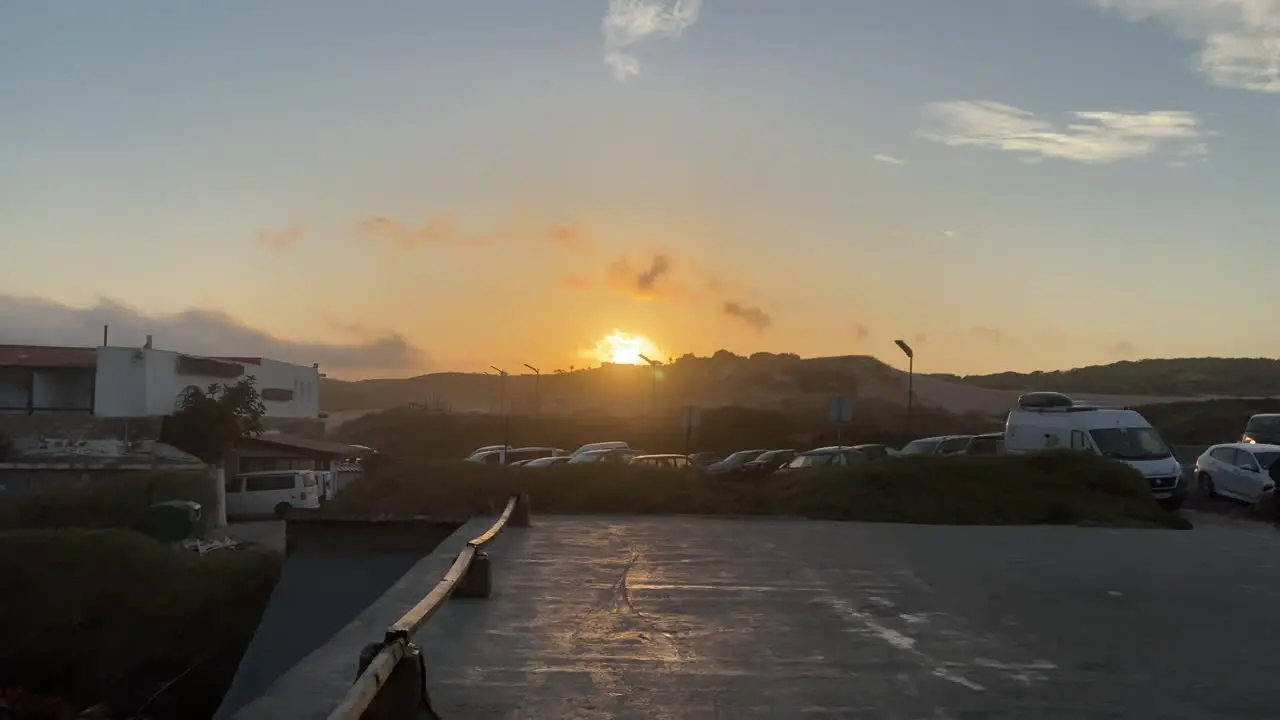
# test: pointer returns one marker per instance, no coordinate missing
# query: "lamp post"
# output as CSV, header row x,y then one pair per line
x,y
537,398
653,395
911,371
506,421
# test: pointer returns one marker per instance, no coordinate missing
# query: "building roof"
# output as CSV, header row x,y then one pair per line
x,y
242,360
321,447
48,356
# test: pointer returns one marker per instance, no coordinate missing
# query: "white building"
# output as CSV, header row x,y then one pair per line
x,y
145,382
132,382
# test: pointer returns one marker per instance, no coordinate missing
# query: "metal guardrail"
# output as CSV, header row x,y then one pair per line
x,y
469,571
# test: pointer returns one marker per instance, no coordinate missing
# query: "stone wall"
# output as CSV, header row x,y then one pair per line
x,y
74,425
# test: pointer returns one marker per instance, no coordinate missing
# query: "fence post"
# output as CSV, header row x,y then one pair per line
x,y
405,690
520,513
478,580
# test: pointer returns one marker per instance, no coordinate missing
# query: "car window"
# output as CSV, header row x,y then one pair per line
x,y
1226,455
1266,458
919,447
1245,461
984,446
952,445
680,463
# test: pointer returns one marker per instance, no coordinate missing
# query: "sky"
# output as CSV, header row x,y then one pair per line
x,y
409,186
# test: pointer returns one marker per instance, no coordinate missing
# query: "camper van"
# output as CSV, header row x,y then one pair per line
x,y
1050,420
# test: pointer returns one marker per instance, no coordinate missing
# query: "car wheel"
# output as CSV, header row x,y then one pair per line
x,y
1206,486
282,510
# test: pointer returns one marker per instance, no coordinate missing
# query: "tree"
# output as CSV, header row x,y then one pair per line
x,y
209,421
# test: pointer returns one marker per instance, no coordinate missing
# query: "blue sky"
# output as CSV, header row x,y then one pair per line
x,y
414,185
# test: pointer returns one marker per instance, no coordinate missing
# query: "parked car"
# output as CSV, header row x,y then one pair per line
x,y
986,444
661,462
532,453
769,461
620,456
735,462
1237,470
875,452
484,451
703,460
545,462
1263,428
610,445
923,446
486,457
833,456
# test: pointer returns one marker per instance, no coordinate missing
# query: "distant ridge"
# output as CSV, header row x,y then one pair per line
x,y
788,381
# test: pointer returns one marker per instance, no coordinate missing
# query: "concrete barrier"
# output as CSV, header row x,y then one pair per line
x,y
391,676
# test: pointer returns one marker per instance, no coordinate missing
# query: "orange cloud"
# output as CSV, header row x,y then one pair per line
x,y
650,280
282,241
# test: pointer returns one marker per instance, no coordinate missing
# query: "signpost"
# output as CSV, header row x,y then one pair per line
x,y
840,411
691,417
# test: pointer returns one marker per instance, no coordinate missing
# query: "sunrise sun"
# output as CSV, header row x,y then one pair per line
x,y
624,349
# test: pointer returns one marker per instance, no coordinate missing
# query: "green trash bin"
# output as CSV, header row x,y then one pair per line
x,y
172,520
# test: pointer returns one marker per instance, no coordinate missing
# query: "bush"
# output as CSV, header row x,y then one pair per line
x,y
111,616
1050,488
106,500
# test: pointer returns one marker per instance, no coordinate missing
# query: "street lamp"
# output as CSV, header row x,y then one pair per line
x,y
653,396
506,420
911,371
537,399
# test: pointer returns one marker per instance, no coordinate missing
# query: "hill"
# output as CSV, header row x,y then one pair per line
x,y
1178,377
764,380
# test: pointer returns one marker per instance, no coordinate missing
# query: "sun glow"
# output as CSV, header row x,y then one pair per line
x,y
624,349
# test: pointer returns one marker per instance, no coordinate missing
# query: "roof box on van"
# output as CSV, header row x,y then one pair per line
x,y
1040,400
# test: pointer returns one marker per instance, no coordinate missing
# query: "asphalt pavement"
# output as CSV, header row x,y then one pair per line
x,y
703,618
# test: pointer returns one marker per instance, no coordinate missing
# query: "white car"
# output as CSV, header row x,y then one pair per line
x,y
1237,470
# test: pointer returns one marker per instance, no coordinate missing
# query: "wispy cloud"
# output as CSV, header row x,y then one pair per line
x,y
889,159
282,241
447,229
1093,137
28,320
1239,39
754,317
630,22
949,233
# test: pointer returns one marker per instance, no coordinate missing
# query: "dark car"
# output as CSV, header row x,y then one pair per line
x,y
836,456
703,460
923,446
874,452
770,461
735,462
1263,429
986,444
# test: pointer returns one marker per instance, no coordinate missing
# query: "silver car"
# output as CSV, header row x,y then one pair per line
x,y
1237,470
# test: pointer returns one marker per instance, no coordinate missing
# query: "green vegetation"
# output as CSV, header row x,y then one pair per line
x,y
210,421
418,435
111,616
106,500
1206,422
1179,377
1050,488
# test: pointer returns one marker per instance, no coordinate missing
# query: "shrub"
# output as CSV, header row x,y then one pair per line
x,y
111,615
106,500
1049,488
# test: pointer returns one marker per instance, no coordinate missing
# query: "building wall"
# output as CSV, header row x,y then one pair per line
x,y
139,382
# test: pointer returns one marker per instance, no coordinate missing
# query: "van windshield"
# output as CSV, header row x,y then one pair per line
x,y
1130,443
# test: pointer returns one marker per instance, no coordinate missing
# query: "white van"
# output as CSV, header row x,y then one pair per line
x,y
272,493
1048,420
